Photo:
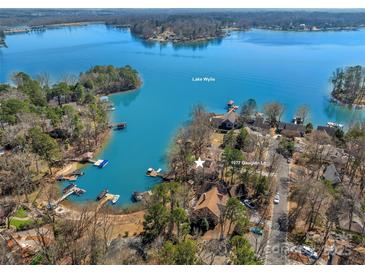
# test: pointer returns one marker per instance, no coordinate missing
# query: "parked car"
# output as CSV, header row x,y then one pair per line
x,y
256,230
283,223
309,252
276,199
249,204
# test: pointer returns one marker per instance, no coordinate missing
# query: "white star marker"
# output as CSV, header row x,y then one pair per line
x,y
199,163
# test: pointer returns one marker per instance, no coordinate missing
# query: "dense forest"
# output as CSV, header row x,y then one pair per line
x,y
179,29
44,124
187,24
189,27
349,85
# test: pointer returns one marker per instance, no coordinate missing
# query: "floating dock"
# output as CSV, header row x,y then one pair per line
x,y
115,199
101,163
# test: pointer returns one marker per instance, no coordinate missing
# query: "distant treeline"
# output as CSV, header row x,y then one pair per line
x,y
2,37
349,85
179,28
188,24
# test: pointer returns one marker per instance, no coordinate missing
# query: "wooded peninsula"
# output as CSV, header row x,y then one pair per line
x,y
44,125
349,85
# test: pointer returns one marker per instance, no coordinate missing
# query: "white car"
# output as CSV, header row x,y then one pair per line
x,y
276,199
309,252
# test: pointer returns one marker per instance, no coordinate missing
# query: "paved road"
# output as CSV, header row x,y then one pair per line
x,y
277,242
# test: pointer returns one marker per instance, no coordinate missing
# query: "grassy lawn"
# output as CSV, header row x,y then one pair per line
x,y
21,213
19,224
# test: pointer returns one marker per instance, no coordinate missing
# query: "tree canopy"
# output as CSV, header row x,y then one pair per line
x,y
109,79
348,85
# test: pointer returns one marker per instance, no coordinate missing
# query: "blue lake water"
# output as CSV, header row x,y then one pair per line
x,y
290,67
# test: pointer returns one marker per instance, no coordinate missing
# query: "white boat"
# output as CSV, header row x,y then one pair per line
x,y
336,125
115,199
159,170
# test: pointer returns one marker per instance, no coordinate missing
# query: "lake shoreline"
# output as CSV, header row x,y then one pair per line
x,y
27,29
349,105
72,166
160,38
168,72
105,139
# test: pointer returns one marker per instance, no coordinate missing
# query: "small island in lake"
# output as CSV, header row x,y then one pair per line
x,y
349,85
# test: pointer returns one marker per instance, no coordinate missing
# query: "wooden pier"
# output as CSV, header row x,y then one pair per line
x,y
107,198
73,190
232,109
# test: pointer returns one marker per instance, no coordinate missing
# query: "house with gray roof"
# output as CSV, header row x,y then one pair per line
x,y
291,129
227,121
331,131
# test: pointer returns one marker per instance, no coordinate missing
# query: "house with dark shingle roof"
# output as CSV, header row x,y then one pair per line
x,y
258,123
227,121
210,205
331,131
230,121
291,129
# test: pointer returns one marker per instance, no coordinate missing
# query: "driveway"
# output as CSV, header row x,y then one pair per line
x,y
276,248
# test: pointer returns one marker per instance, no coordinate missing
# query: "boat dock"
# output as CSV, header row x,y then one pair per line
x,y
154,173
232,109
102,194
100,163
72,190
70,178
119,126
108,197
